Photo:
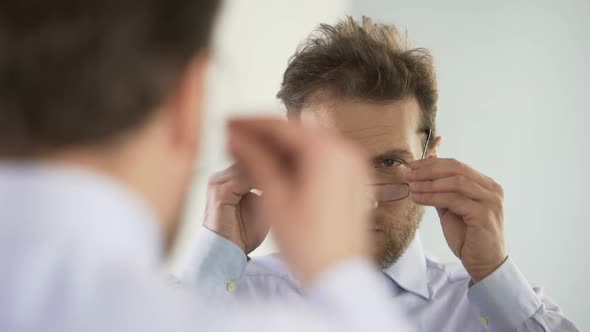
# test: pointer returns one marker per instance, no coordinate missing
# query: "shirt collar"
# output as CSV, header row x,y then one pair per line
x,y
409,272
102,217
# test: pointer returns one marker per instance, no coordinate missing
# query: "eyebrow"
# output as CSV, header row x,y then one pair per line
x,y
403,154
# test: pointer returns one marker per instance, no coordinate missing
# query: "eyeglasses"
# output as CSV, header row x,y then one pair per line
x,y
390,192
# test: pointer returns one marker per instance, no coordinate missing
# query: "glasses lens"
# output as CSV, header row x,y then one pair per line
x,y
391,191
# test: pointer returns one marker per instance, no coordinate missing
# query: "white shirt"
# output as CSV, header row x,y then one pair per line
x,y
78,252
432,296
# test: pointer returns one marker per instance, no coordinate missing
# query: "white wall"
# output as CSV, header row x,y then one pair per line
x,y
514,103
254,41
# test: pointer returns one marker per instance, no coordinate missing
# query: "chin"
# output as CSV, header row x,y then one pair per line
x,y
388,247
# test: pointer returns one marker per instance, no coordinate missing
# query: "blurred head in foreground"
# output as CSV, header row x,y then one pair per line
x,y
363,80
115,86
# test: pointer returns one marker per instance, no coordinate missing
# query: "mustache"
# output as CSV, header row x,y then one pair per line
x,y
387,222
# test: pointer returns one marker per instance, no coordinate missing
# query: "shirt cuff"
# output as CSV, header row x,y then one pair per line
x,y
504,298
218,264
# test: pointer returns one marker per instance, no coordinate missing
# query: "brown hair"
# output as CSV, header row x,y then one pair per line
x,y
360,60
82,72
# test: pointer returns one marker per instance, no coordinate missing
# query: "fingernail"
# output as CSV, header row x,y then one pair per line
x,y
256,192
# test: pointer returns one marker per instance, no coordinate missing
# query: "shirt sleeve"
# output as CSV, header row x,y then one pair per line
x,y
507,302
216,266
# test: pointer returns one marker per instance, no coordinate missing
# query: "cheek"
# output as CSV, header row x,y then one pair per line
x,y
394,213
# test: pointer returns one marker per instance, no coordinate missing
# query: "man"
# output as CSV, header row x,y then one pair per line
x,y
361,80
100,112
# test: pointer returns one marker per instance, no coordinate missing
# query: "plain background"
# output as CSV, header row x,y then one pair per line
x,y
513,78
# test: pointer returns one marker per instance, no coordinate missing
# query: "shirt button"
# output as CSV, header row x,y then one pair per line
x,y
484,320
230,286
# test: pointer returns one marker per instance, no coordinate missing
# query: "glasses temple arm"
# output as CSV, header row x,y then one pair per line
x,y
429,131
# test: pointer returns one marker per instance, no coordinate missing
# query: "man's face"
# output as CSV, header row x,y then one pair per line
x,y
390,136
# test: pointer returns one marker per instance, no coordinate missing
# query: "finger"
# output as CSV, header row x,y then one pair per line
x,y
436,168
455,184
286,137
291,144
455,203
423,162
258,161
252,208
232,191
239,185
226,174
441,212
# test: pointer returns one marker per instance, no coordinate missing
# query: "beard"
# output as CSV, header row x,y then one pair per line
x,y
398,234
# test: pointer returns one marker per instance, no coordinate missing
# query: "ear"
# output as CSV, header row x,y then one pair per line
x,y
434,147
187,102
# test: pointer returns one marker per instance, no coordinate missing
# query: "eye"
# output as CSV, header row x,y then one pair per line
x,y
388,163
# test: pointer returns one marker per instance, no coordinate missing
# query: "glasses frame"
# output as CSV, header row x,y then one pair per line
x,y
428,133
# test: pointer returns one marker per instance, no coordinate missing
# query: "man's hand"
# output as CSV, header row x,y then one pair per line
x,y
232,211
314,191
470,207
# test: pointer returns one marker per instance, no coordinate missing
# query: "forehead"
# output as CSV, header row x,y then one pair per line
x,y
374,126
